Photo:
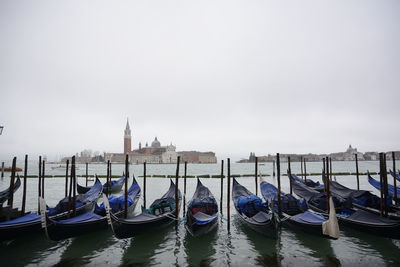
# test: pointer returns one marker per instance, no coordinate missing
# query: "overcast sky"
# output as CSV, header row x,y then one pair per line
x,y
225,76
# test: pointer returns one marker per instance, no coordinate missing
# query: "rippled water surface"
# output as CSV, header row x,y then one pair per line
x,y
174,246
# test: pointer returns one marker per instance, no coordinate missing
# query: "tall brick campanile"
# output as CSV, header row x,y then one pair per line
x,y
127,138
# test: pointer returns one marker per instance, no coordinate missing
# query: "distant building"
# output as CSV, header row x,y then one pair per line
x,y
156,153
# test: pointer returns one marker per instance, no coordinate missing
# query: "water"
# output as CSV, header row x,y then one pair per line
x,y
174,246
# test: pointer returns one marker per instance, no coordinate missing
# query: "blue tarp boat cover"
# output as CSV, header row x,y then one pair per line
x,y
249,205
88,216
118,203
115,182
31,217
315,185
397,175
309,217
377,185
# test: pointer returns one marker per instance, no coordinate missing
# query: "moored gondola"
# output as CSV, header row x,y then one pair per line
x,y
310,183
395,175
362,199
356,219
91,221
31,222
115,187
252,211
5,194
202,213
295,213
160,214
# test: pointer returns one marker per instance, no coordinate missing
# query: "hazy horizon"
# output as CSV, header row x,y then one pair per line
x,y
232,77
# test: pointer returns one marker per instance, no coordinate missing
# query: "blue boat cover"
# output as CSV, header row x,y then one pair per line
x,y
397,175
202,218
377,185
309,217
315,185
31,217
249,205
88,216
115,182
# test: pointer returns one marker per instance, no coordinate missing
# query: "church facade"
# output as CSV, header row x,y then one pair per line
x,y
156,153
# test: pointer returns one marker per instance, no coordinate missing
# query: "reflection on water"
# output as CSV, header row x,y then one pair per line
x,y
31,249
200,249
143,249
84,249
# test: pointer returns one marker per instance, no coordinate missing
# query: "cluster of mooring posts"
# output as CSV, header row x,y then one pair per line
x,y
71,185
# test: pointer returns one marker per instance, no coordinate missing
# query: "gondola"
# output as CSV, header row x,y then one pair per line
x,y
393,175
91,221
252,211
160,214
295,214
116,186
377,185
357,219
31,222
202,213
362,199
5,194
310,183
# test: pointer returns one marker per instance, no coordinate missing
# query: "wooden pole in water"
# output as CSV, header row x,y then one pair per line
x,y
323,174
385,183
144,184
327,169
228,195
108,177
87,174
255,174
126,186
25,180
43,175
12,182
301,165
74,187
2,170
330,168
176,190
273,168
278,168
394,178
290,176
305,170
70,190
327,187
40,180
222,185
66,179
358,179
381,181
184,189
110,182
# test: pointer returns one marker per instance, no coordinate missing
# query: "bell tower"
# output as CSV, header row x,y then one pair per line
x,y
127,138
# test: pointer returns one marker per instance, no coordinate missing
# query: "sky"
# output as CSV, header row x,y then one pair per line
x,y
231,76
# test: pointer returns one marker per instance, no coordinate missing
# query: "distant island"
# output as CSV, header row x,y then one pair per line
x,y
348,155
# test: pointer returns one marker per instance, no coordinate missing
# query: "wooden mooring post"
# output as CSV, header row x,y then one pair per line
x,y
144,184
184,189
394,178
256,175
358,178
74,186
66,179
70,189
305,170
12,182
228,195
2,170
24,190
273,168
301,166
108,178
87,174
290,176
126,186
278,168
323,174
330,168
385,183
43,176
222,185
176,190
381,183
39,177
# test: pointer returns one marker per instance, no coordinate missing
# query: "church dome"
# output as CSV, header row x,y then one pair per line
x,y
155,143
